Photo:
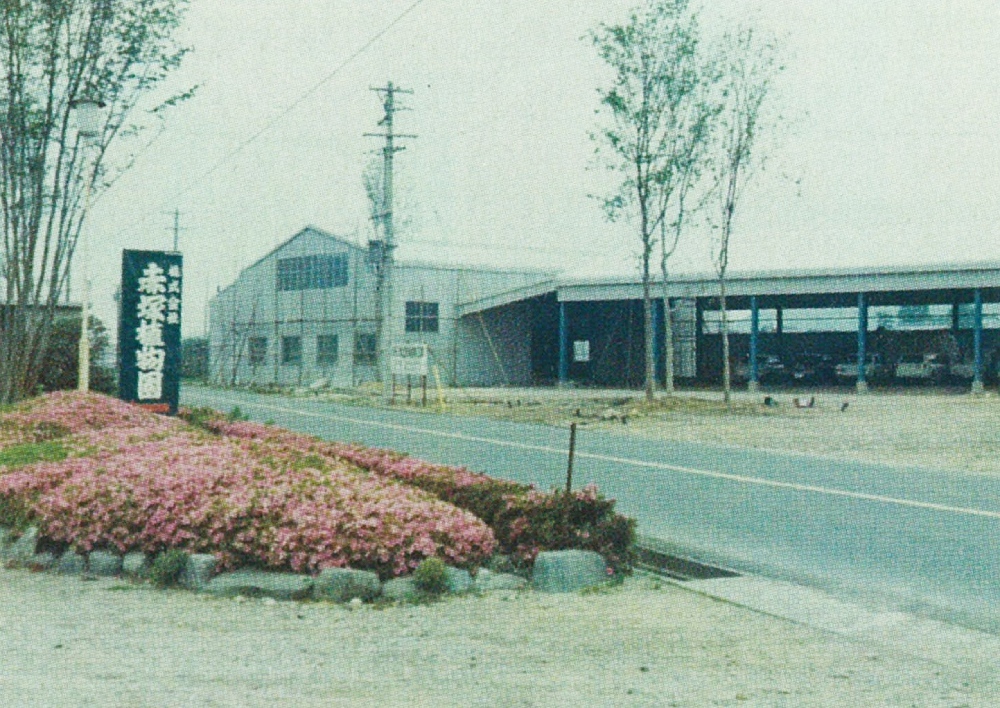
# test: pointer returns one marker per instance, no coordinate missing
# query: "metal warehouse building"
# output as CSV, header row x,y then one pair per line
x,y
309,311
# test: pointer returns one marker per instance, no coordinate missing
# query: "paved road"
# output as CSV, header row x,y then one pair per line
x,y
902,538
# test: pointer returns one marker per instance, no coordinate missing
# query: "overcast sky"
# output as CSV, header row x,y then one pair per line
x,y
888,154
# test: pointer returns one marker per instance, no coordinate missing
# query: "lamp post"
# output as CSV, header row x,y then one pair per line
x,y
89,116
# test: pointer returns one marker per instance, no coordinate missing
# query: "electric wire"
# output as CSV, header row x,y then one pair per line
x,y
269,125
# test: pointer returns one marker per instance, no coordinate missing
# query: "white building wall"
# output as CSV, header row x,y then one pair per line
x,y
429,285
254,308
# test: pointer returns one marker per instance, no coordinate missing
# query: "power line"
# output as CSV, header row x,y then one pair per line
x,y
288,109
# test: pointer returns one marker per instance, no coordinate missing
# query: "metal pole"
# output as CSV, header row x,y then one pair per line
x,y
563,345
572,452
177,227
386,266
977,342
862,383
388,392
83,357
753,378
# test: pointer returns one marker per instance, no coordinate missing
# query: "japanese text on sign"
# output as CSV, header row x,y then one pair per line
x,y
159,304
409,360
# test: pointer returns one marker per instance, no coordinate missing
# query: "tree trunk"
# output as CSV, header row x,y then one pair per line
x,y
647,326
724,332
668,336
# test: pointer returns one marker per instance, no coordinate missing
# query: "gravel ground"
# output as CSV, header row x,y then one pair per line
x,y
67,642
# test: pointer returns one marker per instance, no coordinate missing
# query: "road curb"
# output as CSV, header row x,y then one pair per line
x,y
898,632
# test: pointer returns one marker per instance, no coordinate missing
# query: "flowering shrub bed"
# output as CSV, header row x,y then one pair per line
x,y
70,413
524,520
249,501
81,423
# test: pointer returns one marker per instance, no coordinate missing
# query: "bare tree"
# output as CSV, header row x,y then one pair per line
x,y
687,163
750,66
658,82
54,53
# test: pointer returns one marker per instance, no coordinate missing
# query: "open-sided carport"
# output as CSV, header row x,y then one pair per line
x,y
600,321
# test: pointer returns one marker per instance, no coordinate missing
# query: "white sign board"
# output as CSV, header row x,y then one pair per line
x,y
581,350
409,360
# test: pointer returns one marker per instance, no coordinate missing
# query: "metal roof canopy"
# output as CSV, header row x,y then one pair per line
x,y
807,289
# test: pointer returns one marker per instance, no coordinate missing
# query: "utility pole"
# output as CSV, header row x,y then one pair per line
x,y
388,94
177,228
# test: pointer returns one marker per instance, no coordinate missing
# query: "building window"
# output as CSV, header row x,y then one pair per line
x,y
320,272
421,317
258,350
326,349
365,349
291,350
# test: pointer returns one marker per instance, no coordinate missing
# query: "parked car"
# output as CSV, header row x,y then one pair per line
x,y
770,369
813,368
922,367
875,369
962,370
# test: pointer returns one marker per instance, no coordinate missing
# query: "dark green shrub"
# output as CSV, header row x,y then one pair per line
x,y
584,519
431,577
194,358
199,416
60,359
167,568
236,415
15,514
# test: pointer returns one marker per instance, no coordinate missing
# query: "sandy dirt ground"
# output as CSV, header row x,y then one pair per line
x,y
68,642
921,427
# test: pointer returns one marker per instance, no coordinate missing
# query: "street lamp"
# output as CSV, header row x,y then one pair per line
x,y
89,116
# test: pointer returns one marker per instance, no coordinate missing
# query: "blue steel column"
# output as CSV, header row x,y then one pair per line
x,y
862,384
779,331
563,345
977,342
753,377
655,306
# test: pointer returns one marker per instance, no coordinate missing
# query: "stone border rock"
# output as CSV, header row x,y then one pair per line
x,y
555,571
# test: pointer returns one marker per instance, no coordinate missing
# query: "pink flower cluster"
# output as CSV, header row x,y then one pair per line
x,y
384,462
249,500
71,412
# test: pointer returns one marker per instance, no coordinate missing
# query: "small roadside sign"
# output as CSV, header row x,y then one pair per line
x,y
409,360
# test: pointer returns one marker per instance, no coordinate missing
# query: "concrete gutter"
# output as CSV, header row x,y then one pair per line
x,y
900,633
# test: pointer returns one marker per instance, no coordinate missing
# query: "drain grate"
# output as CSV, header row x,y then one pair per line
x,y
678,568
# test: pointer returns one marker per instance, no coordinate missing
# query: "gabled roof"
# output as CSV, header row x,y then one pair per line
x,y
298,234
547,273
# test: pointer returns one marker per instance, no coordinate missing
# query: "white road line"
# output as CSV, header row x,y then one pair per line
x,y
643,463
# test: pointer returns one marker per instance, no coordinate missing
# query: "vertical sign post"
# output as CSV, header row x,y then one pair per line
x,y
149,330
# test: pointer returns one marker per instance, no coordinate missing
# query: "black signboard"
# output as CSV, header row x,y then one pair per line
x,y
149,330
